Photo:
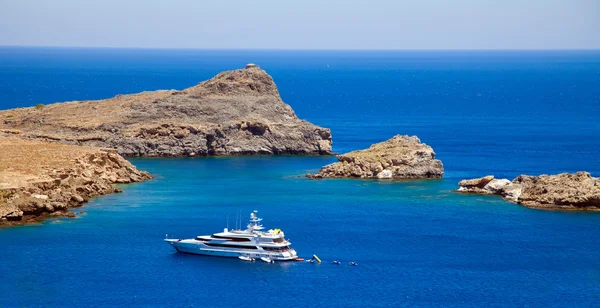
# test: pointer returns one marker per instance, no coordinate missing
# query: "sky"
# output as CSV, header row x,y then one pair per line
x,y
305,24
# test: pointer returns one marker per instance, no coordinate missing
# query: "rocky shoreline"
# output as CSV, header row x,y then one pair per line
x,y
401,157
55,157
565,191
237,112
40,180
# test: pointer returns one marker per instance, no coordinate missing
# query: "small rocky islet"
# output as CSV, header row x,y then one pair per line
x,y
565,191
401,157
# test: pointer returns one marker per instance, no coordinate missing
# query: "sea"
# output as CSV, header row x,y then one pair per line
x,y
417,243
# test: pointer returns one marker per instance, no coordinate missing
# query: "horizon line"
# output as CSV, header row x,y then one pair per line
x,y
299,49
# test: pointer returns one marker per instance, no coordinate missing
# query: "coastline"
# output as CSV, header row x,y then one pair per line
x,y
578,191
40,180
545,207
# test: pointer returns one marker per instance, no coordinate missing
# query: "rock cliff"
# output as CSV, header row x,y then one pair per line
x,y
565,191
39,179
237,112
401,157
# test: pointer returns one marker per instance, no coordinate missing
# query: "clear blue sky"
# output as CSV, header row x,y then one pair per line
x,y
304,24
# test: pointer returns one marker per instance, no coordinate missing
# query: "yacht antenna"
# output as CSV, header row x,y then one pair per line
x,y
228,220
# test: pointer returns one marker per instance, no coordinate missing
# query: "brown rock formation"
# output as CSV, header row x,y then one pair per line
x,y
39,179
565,191
475,184
401,157
237,112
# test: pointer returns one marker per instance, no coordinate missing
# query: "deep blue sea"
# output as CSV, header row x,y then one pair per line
x,y
417,243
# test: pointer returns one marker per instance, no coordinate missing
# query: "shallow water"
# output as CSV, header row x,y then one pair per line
x,y
416,242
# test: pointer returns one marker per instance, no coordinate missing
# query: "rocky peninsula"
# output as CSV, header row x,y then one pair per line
x,y
40,179
565,191
237,112
401,157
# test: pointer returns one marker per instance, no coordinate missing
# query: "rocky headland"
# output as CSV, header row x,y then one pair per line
x,y
237,112
40,179
401,157
565,191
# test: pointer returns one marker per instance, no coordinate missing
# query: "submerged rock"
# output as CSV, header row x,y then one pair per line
x,y
237,112
565,191
401,157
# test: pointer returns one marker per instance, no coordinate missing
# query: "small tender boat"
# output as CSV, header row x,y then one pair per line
x,y
268,260
246,258
353,263
336,262
300,259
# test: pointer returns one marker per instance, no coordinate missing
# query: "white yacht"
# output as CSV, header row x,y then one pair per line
x,y
252,242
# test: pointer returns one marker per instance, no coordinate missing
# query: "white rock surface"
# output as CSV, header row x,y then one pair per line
x,y
496,185
43,197
385,174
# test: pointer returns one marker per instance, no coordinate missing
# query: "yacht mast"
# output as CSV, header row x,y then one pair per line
x,y
236,218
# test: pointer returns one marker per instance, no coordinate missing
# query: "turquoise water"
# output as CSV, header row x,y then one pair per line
x,y
416,242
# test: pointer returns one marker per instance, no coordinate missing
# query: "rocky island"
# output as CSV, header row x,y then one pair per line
x,y
237,112
401,157
39,179
565,191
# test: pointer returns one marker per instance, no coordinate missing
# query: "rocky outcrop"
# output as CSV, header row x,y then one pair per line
x,y
485,185
237,112
401,157
39,179
565,191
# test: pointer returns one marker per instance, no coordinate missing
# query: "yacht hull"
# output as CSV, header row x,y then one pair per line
x,y
198,248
